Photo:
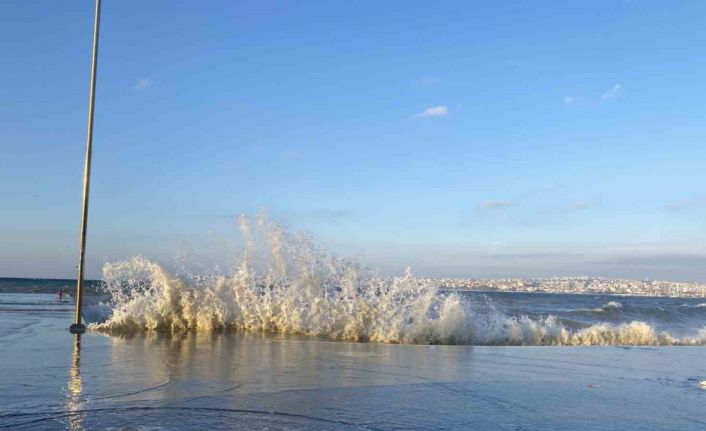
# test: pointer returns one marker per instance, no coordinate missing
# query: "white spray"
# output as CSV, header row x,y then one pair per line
x,y
297,287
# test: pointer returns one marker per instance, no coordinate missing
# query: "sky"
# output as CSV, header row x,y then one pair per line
x,y
463,139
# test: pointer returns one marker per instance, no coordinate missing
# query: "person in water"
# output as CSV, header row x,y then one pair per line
x,y
59,294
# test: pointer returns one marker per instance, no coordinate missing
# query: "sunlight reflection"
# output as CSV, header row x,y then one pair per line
x,y
75,388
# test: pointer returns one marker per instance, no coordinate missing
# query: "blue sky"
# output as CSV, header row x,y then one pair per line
x,y
479,139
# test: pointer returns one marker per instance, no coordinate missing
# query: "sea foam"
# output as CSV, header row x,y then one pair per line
x,y
288,284
610,306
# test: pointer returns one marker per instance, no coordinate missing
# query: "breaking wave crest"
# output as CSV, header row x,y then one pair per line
x,y
296,287
611,306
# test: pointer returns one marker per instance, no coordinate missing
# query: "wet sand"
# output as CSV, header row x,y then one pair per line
x,y
229,380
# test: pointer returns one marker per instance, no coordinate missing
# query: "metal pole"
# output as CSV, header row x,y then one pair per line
x,y
78,327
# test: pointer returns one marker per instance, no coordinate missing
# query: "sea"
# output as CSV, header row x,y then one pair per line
x,y
293,337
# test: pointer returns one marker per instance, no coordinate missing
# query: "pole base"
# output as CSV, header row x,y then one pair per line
x,y
77,328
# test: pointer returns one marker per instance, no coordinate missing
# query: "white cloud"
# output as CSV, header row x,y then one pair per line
x,y
143,83
434,111
569,100
612,93
694,203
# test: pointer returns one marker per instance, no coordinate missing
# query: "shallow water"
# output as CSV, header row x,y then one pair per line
x,y
223,380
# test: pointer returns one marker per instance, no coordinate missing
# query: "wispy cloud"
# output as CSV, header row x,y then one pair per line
x,y
569,100
582,205
495,204
613,92
554,213
694,203
143,83
434,111
656,260
532,256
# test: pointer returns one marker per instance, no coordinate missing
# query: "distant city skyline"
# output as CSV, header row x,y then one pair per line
x,y
469,140
564,284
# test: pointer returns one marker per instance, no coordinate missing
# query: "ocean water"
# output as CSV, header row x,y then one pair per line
x,y
242,380
485,318
293,337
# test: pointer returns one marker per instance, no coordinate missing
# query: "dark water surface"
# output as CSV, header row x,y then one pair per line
x,y
678,316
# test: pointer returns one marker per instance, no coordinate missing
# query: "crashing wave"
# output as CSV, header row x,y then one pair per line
x,y
302,289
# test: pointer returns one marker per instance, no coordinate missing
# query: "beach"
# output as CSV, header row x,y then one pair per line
x,y
223,380
353,216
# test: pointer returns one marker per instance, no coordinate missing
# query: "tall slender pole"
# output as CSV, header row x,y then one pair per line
x,y
78,327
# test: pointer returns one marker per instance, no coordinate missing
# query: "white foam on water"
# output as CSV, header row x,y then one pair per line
x,y
300,288
611,306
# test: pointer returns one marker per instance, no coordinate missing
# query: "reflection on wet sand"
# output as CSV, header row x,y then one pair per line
x,y
75,388
259,378
242,381
246,363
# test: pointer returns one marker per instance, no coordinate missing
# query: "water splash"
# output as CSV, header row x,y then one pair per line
x,y
289,284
